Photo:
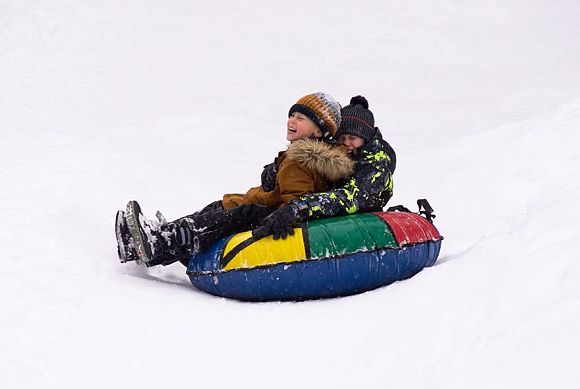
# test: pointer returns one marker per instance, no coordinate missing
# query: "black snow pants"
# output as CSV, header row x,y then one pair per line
x,y
213,223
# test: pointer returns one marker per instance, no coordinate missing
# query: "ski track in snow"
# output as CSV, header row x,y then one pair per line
x,y
176,104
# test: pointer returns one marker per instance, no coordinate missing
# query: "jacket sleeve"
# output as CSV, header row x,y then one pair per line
x,y
368,189
294,181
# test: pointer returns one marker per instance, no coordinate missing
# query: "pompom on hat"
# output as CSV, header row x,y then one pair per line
x,y
322,109
357,119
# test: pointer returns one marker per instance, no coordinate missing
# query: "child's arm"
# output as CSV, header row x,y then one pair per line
x,y
369,189
294,181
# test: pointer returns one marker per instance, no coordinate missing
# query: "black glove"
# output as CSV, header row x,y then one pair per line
x,y
279,223
269,177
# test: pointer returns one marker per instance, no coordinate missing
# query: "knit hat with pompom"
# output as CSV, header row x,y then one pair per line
x,y
357,119
322,109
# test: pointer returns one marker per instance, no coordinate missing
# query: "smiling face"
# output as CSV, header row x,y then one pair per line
x,y
352,142
301,127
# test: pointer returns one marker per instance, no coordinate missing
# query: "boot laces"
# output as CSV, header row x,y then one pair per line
x,y
162,220
158,229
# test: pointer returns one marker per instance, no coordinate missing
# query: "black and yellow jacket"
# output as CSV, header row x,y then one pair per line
x,y
368,189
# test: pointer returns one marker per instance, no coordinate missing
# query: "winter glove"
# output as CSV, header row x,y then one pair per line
x,y
279,223
269,177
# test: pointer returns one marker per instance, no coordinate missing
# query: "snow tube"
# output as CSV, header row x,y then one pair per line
x,y
324,258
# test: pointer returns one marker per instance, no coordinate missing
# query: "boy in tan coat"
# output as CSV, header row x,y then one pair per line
x,y
309,165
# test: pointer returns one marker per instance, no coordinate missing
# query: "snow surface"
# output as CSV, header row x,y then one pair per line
x,y
174,103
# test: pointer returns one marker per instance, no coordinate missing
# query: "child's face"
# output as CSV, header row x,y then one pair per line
x,y
352,142
301,127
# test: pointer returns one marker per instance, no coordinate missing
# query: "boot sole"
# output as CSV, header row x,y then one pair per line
x,y
120,244
124,249
139,241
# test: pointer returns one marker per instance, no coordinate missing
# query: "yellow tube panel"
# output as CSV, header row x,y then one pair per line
x,y
266,251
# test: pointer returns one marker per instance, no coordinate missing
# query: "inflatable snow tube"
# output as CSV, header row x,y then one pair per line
x,y
331,257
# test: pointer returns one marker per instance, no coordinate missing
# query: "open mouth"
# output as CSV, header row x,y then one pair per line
x,y
292,130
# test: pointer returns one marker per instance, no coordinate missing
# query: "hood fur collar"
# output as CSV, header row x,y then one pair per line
x,y
330,161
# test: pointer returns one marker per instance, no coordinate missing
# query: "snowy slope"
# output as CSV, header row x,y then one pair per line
x,y
174,104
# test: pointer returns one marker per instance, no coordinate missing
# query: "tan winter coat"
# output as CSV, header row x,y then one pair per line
x,y
308,166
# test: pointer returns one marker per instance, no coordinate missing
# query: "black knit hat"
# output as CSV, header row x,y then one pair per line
x,y
357,119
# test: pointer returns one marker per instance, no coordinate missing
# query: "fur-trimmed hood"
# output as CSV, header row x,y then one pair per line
x,y
330,161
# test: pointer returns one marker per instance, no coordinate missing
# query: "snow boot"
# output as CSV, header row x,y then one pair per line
x,y
125,249
154,241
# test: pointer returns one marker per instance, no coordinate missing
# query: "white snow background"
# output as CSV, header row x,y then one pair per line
x,y
176,102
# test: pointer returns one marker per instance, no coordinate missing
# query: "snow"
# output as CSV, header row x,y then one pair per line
x,y
175,103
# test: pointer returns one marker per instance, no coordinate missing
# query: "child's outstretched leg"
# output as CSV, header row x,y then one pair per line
x,y
201,229
162,243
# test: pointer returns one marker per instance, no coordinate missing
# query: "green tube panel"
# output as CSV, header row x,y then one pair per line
x,y
348,234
